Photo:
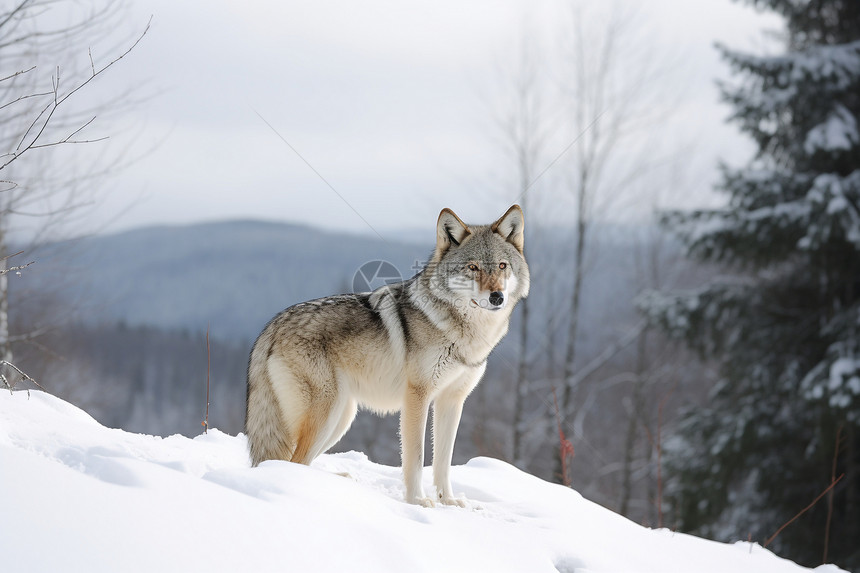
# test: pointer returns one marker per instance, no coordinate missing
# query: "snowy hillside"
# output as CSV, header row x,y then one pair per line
x,y
79,496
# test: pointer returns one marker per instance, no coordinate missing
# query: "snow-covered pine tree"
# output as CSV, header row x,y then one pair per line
x,y
785,331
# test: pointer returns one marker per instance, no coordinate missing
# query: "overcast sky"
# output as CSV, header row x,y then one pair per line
x,y
389,102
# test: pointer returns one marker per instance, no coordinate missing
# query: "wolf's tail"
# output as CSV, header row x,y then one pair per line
x,y
268,436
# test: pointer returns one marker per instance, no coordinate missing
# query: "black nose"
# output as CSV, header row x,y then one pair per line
x,y
496,298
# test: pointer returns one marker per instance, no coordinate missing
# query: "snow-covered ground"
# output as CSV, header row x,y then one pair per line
x,y
77,496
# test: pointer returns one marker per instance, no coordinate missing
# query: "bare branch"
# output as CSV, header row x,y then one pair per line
x,y
68,139
802,511
15,269
25,97
14,12
18,73
32,335
21,373
50,109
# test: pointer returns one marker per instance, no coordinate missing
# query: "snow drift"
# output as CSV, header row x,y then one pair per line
x,y
80,496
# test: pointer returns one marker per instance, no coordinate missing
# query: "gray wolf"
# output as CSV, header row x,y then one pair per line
x,y
403,347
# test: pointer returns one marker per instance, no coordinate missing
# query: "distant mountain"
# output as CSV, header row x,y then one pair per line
x,y
231,275
236,275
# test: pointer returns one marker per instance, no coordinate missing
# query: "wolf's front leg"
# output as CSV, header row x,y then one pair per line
x,y
447,409
413,422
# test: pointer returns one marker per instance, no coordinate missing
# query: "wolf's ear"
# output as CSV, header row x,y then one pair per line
x,y
450,230
510,227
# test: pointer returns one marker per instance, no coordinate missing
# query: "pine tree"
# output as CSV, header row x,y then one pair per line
x,y
785,330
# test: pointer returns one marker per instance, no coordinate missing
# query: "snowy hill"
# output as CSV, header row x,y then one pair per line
x,y
79,496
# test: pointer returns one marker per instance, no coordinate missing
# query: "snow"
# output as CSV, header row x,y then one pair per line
x,y
78,495
844,383
836,378
837,132
838,64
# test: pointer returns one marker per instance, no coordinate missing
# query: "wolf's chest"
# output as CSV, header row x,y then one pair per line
x,y
446,359
447,363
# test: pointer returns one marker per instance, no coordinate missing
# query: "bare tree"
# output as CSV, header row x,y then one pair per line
x,y
43,109
573,145
524,135
612,86
654,377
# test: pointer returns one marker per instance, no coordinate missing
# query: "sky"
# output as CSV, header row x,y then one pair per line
x,y
370,117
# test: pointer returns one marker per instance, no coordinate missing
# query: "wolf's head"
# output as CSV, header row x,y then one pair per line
x,y
480,266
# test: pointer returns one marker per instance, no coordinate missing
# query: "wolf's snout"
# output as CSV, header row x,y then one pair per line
x,y
497,298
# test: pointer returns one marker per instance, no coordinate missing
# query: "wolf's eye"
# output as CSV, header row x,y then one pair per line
x,y
503,266
473,267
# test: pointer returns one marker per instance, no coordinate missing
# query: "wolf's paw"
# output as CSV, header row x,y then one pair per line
x,y
455,501
423,501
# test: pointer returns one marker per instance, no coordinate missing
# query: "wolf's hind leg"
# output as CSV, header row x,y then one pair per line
x,y
312,430
325,421
347,415
343,418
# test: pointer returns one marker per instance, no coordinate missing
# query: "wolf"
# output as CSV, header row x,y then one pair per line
x,y
404,346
